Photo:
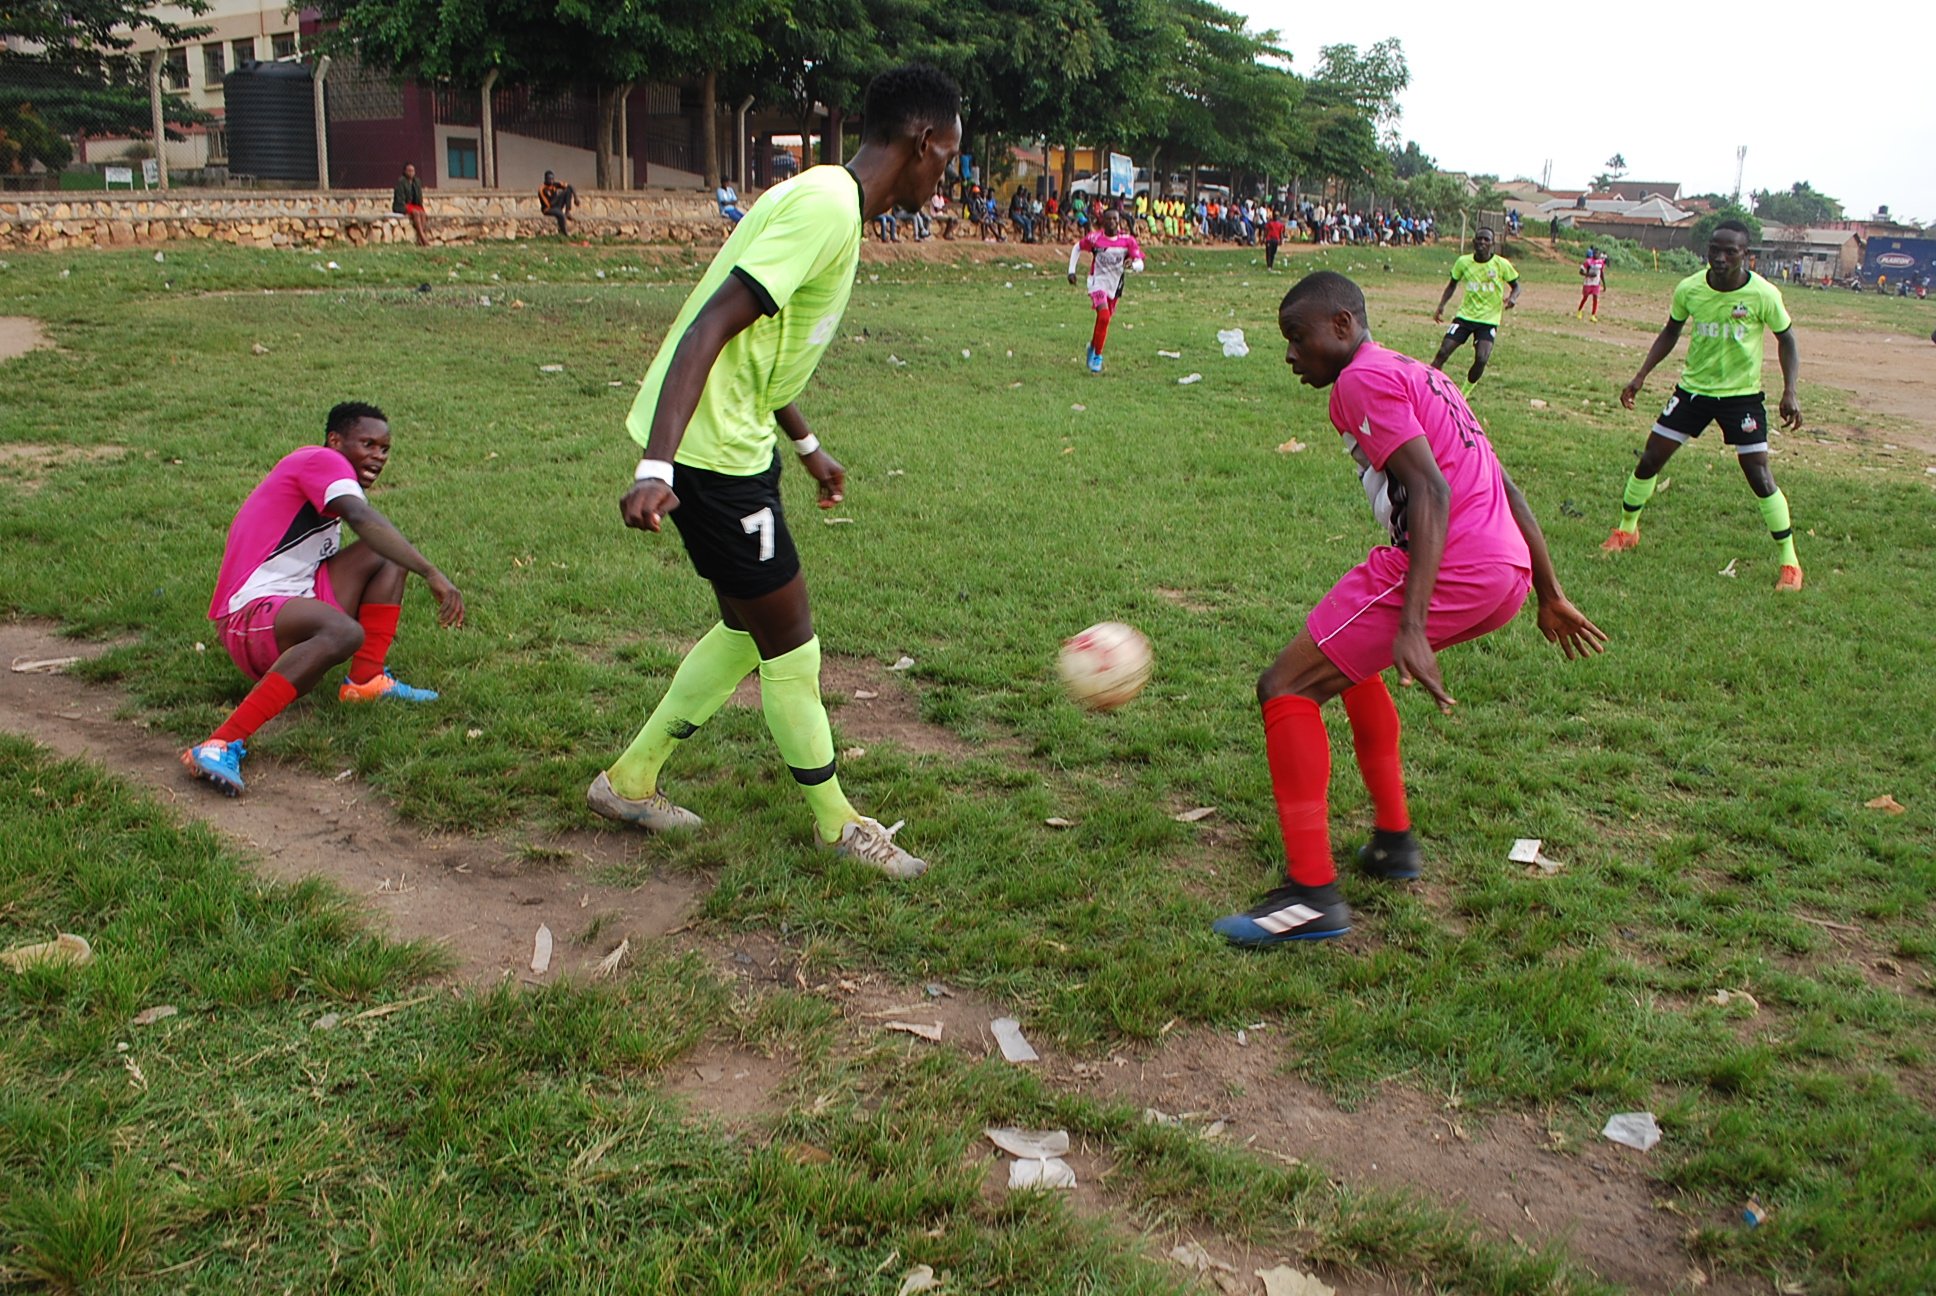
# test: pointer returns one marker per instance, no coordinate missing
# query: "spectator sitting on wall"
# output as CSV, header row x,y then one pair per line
x,y
728,199
407,200
555,199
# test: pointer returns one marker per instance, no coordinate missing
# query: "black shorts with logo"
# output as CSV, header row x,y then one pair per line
x,y
1463,328
734,529
1743,419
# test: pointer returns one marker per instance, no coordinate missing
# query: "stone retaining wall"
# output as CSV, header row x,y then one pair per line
x,y
54,222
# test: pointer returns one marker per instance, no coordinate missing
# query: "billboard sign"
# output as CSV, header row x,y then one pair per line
x,y
1899,258
1122,173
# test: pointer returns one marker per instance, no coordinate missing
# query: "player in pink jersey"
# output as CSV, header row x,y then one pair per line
x,y
1593,282
1112,254
291,601
1465,548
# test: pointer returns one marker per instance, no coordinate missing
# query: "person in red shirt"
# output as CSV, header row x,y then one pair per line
x,y
1273,235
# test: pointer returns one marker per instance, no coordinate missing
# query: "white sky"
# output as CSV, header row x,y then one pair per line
x,y
1842,98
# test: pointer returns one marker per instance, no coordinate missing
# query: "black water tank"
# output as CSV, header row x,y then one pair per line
x,y
271,121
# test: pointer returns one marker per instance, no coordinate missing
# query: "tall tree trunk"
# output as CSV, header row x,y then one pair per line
x,y
709,113
1157,189
833,148
1068,170
602,155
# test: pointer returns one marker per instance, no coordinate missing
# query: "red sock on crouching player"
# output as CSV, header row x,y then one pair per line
x,y
263,704
1374,736
1299,754
379,622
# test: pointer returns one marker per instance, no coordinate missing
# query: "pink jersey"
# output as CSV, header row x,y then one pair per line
x,y
1595,270
1383,400
1110,257
284,531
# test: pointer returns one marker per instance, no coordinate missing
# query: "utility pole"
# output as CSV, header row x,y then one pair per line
x,y
1740,165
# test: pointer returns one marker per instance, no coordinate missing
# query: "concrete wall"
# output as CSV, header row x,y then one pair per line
x,y
308,219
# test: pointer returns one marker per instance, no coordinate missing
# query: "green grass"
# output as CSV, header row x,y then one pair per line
x,y
1703,782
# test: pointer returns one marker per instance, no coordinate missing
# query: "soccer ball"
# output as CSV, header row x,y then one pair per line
x,y
1106,665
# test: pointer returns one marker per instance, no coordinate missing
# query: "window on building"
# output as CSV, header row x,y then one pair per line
x,y
218,145
460,158
283,44
213,67
174,69
242,51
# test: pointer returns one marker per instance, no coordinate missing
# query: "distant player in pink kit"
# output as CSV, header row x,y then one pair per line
x,y
1593,282
292,601
1465,549
1112,254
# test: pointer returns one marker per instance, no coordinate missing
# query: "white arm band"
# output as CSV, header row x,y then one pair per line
x,y
806,445
653,470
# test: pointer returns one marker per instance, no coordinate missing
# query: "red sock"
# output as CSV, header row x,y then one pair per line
x,y
265,701
1102,329
1596,305
1374,735
379,622
1300,768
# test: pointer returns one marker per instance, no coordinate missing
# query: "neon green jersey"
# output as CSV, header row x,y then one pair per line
x,y
1724,351
1485,287
797,250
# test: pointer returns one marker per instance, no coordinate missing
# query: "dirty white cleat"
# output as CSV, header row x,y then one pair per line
x,y
655,813
870,843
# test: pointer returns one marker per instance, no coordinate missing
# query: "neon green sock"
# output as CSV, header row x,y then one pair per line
x,y
1633,499
705,679
1774,511
790,692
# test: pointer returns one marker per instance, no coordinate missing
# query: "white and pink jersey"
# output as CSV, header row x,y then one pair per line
x,y
1594,269
284,531
1111,256
1383,400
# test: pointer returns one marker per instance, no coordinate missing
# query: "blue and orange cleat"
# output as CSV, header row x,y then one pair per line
x,y
383,687
1095,360
217,761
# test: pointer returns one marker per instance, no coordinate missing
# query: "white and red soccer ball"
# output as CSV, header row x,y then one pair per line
x,y
1106,665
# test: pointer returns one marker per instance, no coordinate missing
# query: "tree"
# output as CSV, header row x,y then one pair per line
x,y
1800,204
1703,229
69,68
1617,164
1410,162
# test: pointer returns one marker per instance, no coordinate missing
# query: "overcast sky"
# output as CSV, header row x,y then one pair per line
x,y
1502,89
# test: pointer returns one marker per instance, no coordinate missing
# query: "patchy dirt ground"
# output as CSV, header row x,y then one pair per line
x,y
482,899
19,335
1509,1174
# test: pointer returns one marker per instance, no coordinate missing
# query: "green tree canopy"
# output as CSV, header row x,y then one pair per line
x,y
69,68
1799,204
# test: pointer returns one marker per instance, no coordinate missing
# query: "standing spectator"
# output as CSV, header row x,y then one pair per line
x,y
1273,235
407,200
555,199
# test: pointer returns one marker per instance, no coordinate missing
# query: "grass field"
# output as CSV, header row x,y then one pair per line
x,y
1703,783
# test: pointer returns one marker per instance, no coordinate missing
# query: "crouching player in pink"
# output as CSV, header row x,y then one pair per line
x,y
1112,254
1465,549
292,601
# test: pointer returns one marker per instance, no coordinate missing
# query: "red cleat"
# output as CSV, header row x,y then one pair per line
x,y
1621,540
1790,580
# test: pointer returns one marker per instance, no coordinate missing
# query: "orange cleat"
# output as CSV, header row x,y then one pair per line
x,y
1621,540
1790,580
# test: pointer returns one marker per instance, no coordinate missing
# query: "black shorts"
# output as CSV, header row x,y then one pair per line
x,y
1464,328
1743,419
734,529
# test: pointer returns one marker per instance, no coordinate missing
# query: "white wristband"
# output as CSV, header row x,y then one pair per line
x,y
653,470
806,445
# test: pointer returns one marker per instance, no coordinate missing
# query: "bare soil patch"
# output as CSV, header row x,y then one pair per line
x,y
19,334
733,1084
482,899
26,464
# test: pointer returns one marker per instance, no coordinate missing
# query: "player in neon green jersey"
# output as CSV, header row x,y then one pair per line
x,y
1731,307
708,418
1486,278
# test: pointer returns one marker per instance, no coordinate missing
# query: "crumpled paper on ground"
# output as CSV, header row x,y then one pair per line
x,y
1637,1130
1038,1157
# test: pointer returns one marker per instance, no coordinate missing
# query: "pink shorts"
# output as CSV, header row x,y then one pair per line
x,y
249,632
1591,290
1355,623
1102,301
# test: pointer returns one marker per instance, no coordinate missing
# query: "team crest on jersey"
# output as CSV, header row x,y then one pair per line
x,y
1740,312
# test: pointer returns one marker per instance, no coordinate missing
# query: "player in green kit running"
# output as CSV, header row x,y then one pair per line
x,y
708,417
1486,277
1731,307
